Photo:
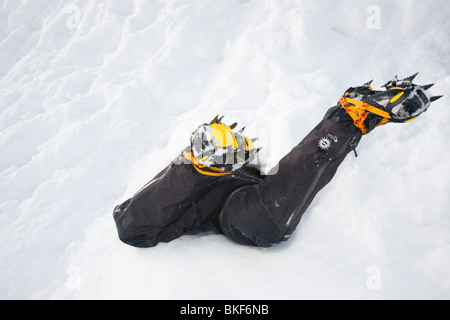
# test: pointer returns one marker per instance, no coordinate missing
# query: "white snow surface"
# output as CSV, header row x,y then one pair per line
x,y
98,96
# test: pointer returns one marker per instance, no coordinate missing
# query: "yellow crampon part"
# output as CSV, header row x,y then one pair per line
x,y
224,135
208,171
357,110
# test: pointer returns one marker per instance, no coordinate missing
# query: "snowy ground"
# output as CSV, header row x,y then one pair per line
x,y
98,96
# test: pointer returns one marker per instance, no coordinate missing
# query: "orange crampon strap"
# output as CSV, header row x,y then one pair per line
x,y
207,171
357,110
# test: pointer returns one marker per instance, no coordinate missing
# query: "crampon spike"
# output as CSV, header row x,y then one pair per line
x,y
410,79
428,86
215,120
432,99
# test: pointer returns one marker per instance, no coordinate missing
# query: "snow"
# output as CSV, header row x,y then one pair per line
x,y
98,96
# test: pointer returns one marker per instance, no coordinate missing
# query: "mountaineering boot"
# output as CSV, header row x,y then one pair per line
x,y
217,150
401,102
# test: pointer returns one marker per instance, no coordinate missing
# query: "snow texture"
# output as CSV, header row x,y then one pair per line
x,y
98,96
